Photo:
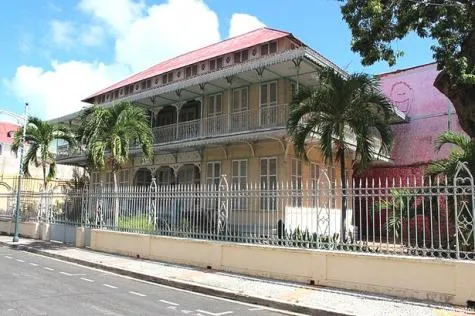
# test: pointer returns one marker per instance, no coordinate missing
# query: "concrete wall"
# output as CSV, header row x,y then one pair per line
x,y
27,229
447,281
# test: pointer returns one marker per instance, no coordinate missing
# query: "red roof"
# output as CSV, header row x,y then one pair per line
x,y
4,129
229,45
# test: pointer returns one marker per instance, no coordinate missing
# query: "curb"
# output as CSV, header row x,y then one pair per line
x,y
186,286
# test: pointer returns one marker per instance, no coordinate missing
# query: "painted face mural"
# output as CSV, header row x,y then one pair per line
x,y
402,96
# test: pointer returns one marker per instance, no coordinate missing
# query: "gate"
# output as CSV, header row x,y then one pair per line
x,y
62,232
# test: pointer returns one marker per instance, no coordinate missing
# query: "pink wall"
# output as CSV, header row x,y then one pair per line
x,y
412,91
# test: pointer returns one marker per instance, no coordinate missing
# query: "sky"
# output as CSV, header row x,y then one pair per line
x,y
56,52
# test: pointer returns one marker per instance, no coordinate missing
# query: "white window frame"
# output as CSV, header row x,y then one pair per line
x,y
268,101
268,109
268,187
212,104
296,181
238,56
213,178
240,107
267,46
239,183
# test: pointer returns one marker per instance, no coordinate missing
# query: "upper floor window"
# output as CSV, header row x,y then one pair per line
x,y
240,99
241,56
166,78
269,48
191,71
216,63
215,105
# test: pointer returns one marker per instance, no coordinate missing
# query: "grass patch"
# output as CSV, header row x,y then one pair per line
x,y
135,223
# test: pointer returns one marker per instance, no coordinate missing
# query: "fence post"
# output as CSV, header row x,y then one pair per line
x,y
223,206
152,209
465,216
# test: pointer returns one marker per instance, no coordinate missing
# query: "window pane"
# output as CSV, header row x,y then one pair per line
x,y
243,168
264,49
236,101
244,98
217,169
273,92
263,167
273,47
273,166
237,57
235,168
263,93
245,55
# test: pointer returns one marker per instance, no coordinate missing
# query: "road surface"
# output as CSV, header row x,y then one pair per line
x,y
31,284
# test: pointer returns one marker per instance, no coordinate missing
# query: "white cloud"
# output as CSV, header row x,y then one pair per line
x,y
144,35
118,14
165,31
57,92
62,33
242,23
92,35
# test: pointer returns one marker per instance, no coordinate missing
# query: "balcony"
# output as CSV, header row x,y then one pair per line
x,y
264,118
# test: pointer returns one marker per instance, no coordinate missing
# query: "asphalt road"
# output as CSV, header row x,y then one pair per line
x,y
31,284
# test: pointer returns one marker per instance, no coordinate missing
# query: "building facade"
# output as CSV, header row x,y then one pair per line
x,y
222,111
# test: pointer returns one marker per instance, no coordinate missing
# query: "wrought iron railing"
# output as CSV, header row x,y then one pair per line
x,y
273,116
412,216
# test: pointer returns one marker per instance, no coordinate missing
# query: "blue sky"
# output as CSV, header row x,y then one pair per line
x,y
55,52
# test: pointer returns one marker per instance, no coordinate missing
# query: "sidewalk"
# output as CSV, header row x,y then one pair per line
x,y
293,297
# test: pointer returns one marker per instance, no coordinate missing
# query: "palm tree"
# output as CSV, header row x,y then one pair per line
x,y
40,136
107,134
463,151
335,108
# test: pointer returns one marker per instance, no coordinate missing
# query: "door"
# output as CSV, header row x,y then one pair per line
x,y
214,120
240,110
268,104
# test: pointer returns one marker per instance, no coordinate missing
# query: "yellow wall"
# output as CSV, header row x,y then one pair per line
x,y
446,281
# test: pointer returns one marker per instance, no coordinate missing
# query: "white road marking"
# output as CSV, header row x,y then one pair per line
x,y
110,286
169,303
214,314
34,264
136,293
87,280
19,260
8,257
72,274
255,309
49,269
185,311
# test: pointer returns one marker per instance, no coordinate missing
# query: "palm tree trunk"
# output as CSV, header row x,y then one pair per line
x,y
343,196
116,204
44,177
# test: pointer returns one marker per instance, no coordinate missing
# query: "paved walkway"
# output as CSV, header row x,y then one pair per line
x,y
289,296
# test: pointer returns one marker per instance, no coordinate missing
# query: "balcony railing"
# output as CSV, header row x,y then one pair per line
x,y
268,117
247,121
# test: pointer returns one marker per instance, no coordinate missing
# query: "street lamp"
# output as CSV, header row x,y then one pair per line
x,y
20,172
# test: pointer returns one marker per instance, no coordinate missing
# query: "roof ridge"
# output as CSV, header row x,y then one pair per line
x,y
151,68
405,69
189,52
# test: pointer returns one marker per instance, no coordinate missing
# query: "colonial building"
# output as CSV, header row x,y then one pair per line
x,y
221,109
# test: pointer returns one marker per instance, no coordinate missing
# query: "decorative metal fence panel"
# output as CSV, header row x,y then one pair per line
x,y
413,216
432,217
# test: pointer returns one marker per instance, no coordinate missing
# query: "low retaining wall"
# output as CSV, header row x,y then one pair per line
x,y
27,229
447,281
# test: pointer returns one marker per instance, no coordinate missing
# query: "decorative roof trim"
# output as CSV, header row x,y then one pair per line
x,y
232,70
